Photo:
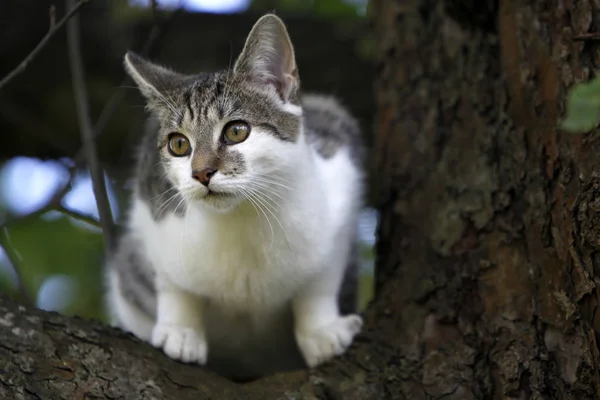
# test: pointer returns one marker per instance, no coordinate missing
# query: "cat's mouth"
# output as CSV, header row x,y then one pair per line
x,y
213,193
216,195
219,201
210,195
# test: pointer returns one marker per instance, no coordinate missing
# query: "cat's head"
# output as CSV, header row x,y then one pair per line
x,y
230,136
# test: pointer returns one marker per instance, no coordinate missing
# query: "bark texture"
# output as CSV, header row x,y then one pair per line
x,y
489,214
48,356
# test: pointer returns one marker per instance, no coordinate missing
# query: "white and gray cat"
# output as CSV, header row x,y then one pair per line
x,y
240,237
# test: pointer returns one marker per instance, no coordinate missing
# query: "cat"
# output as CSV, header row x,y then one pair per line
x,y
243,222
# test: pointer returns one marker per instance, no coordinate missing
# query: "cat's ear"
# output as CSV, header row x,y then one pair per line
x,y
153,80
268,57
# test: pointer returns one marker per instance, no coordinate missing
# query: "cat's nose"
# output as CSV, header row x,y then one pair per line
x,y
203,176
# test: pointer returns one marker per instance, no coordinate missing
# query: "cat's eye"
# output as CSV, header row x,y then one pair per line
x,y
179,145
235,132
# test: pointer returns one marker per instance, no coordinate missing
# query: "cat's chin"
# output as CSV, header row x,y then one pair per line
x,y
219,202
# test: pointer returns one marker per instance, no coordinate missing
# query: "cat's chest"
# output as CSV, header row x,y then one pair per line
x,y
235,265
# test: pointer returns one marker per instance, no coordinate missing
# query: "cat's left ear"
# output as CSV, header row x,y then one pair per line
x,y
153,80
268,57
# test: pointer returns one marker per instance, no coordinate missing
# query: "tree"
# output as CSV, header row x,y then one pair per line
x,y
488,211
487,244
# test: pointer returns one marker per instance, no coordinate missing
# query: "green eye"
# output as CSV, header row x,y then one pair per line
x,y
179,145
235,132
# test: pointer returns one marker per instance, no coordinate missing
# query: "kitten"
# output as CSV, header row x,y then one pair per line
x,y
244,216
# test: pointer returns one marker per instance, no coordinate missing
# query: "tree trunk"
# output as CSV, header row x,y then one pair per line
x,y
489,217
487,258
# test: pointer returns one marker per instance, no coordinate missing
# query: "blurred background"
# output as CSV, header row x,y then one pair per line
x,y
51,252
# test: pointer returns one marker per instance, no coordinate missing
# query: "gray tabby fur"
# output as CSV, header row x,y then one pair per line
x,y
207,97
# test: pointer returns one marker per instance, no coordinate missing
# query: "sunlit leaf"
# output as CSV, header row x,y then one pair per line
x,y
583,107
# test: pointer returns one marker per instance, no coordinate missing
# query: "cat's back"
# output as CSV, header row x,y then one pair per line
x,y
336,138
331,128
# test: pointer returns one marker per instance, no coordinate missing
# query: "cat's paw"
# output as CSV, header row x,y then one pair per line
x,y
323,343
180,343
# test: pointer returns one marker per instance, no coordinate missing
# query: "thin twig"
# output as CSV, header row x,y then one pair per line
x,y
156,33
79,216
51,32
14,259
87,131
52,204
55,204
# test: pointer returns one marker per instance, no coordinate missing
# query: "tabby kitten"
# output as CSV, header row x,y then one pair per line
x,y
244,215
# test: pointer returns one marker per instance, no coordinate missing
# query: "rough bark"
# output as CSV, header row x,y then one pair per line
x,y
37,108
49,356
489,214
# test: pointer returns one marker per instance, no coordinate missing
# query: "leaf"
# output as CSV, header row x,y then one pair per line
x,y
583,107
57,246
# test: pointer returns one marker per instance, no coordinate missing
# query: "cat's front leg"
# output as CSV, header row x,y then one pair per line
x,y
321,332
179,328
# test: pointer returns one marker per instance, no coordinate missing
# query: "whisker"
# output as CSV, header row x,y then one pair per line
x,y
253,199
164,205
162,194
270,181
168,102
267,189
182,240
270,208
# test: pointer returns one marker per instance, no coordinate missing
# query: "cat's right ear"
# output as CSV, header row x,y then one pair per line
x,y
153,80
268,57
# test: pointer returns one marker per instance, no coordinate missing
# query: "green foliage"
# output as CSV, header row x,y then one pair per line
x,y
366,289
44,247
583,107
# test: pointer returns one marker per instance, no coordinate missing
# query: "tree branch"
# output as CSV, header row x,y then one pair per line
x,y
156,33
53,356
79,216
87,131
53,204
51,32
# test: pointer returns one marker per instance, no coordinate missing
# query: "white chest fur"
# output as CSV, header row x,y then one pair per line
x,y
245,260
250,264
254,259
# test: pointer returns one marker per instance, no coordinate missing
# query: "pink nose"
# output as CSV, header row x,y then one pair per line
x,y
204,175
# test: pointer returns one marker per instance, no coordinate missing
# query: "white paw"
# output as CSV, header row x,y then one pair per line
x,y
180,343
323,343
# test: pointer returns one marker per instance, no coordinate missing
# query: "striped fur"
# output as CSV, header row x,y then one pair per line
x,y
247,273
